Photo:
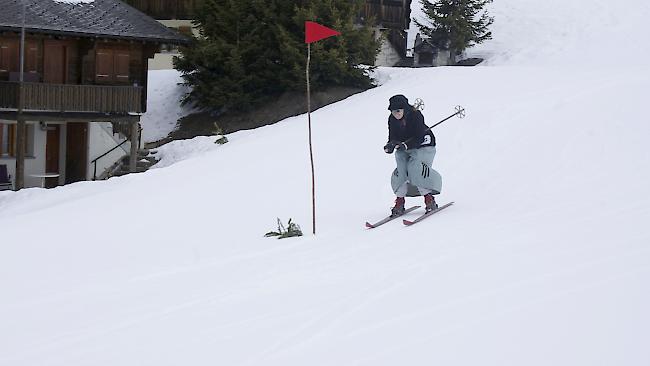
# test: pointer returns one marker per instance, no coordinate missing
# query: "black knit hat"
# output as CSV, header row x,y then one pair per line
x,y
397,102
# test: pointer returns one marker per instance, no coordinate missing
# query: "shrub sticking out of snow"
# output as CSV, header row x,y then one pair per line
x,y
292,229
221,139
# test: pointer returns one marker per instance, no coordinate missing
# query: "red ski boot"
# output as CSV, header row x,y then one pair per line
x,y
399,207
429,203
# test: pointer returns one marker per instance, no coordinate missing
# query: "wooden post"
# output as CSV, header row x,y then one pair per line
x,y
20,152
133,158
21,125
311,151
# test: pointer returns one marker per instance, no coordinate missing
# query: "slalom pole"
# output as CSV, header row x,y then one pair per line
x,y
311,151
313,32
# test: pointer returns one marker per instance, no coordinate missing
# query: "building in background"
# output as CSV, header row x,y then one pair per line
x,y
84,89
392,21
426,54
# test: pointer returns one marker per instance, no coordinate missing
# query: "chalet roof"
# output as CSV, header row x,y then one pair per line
x,y
86,18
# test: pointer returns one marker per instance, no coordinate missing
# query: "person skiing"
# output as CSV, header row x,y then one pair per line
x,y
415,147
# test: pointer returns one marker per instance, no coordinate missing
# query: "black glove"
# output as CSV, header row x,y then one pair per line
x,y
401,146
389,147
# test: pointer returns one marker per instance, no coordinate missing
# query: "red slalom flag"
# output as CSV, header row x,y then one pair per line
x,y
315,32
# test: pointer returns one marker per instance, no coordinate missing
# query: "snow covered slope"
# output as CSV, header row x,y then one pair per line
x,y
554,33
543,260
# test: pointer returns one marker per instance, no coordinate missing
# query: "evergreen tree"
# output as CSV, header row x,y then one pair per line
x,y
454,25
336,60
237,57
250,51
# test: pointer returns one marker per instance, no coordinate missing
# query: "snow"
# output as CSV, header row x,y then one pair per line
x,y
180,150
164,93
554,33
543,260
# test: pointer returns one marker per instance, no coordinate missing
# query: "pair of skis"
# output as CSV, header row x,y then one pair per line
x,y
408,222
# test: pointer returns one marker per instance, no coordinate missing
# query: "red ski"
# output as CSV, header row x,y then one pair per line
x,y
389,218
424,216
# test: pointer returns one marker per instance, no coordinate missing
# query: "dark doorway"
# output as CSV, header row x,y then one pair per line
x,y
52,148
76,158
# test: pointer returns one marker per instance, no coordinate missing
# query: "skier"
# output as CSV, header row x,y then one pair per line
x,y
415,146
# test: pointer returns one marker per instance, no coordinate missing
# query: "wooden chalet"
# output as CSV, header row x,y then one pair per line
x,y
83,62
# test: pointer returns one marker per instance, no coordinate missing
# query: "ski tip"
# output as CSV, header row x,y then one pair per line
x,y
369,225
407,222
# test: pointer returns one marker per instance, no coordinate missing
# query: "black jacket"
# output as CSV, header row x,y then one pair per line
x,y
411,129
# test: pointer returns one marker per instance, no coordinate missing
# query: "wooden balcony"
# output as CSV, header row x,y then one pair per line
x,y
72,98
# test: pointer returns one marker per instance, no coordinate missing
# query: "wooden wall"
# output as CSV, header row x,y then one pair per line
x,y
394,14
75,60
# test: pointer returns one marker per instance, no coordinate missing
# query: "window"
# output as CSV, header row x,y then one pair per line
x,y
9,55
112,65
7,140
104,67
121,61
8,136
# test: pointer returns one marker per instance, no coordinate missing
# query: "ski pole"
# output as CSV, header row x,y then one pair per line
x,y
460,112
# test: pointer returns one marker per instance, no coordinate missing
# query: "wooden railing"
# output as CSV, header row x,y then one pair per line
x,y
72,98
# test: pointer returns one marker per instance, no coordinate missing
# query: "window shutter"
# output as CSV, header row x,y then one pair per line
x,y
104,65
12,139
5,58
122,66
31,58
2,139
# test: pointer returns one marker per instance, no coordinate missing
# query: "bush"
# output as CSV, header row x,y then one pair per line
x,y
292,229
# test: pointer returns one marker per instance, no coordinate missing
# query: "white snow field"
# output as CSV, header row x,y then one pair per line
x,y
543,260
